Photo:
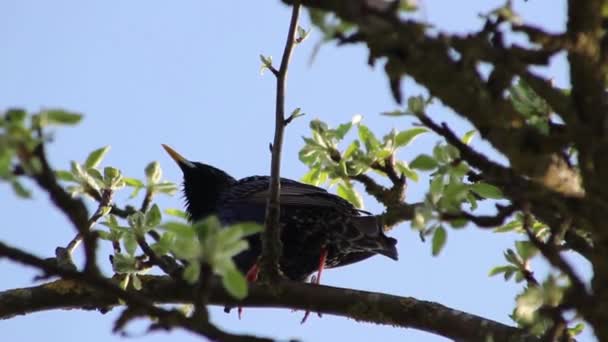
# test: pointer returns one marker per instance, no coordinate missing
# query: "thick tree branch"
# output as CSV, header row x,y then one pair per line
x,y
109,289
271,237
365,306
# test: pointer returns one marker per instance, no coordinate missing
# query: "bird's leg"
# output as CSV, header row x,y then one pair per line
x,y
251,276
317,279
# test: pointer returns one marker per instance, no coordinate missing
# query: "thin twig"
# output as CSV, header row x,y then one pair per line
x,y
271,238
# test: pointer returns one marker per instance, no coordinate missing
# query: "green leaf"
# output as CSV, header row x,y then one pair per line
x,y
406,171
136,184
416,105
468,136
133,182
122,263
57,116
424,162
501,269
176,213
513,225
350,150
577,329
153,216
180,229
346,191
235,283
191,272
20,190
396,112
65,176
343,129
136,220
369,140
234,248
130,243
95,157
302,34
439,239
136,282
153,172
511,257
404,138
16,116
248,228
165,188
487,190
525,249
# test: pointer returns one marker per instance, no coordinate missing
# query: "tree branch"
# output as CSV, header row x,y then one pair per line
x,y
109,289
365,306
271,237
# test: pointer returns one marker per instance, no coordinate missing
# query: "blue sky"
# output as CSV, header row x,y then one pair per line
x,y
186,73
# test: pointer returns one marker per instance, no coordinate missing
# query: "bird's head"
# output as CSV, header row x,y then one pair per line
x,y
203,185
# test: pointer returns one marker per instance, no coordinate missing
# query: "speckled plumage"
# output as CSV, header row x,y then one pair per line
x,y
312,219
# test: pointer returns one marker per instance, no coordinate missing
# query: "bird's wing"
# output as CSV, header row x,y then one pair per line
x,y
256,190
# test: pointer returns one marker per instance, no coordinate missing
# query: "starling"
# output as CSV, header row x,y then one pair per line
x,y
319,229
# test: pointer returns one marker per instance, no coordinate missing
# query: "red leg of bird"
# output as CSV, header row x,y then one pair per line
x,y
317,279
251,276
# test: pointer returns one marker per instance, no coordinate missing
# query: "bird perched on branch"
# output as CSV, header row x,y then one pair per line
x,y
319,229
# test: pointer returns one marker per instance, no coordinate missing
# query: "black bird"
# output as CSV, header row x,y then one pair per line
x,y
319,229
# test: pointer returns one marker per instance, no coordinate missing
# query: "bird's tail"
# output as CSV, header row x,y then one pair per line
x,y
371,227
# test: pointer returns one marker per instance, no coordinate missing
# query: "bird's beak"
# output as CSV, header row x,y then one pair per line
x,y
181,161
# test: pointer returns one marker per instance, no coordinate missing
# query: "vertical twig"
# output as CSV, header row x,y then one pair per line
x,y
271,242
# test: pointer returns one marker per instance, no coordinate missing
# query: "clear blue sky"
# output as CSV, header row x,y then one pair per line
x,y
185,73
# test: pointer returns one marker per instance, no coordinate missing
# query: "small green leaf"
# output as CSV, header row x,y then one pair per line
x,y
153,217
133,182
153,172
191,272
124,282
136,282
513,225
266,63
57,116
95,157
176,213
20,190
122,263
406,171
351,149
130,243
369,140
501,269
235,283
302,34
424,162
65,176
487,190
346,191
416,105
396,112
525,249
248,228
404,138
165,188
577,329
468,136
180,229
343,129
439,239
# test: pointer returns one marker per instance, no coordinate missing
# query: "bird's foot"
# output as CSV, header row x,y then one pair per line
x,y
251,276
316,280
